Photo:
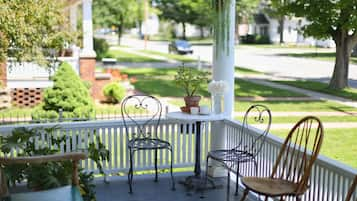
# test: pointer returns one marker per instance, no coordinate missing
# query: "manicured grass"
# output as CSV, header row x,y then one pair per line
x,y
177,57
349,93
296,106
123,56
16,112
245,71
338,144
278,46
245,88
294,119
326,56
159,82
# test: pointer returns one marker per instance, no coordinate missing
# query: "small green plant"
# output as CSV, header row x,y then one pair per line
x,y
114,92
52,174
190,79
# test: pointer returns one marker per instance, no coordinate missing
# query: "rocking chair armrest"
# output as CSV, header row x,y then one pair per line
x,y
74,156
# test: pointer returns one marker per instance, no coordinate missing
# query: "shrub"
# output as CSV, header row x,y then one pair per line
x,y
255,39
68,93
114,92
101,47
52,174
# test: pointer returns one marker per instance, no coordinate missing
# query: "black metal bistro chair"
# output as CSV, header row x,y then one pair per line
x,y
141,116
244,150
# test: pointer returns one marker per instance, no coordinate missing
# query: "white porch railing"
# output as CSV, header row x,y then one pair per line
x,y
330,179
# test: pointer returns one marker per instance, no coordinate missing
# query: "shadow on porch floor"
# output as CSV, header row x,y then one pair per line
x,y
145,189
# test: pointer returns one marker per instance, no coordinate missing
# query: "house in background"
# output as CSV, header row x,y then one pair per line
x,y
264,25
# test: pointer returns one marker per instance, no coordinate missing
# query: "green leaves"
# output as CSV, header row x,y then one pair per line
x,y
28,28
69,94
190,79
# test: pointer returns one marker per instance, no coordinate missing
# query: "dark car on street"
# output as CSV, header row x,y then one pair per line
x,y
180,47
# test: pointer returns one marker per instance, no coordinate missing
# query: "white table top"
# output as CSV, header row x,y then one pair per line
x,y
191,117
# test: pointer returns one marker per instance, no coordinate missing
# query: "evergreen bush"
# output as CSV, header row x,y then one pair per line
x,y
69,94
101,47
114,92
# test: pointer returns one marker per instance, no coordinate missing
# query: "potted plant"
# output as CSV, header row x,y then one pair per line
x,y
190,80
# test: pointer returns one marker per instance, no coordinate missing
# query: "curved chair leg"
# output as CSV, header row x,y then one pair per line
x,y
256,167
156,176
228,183
130,174
266,198
298,198
171,167
237,179
246,191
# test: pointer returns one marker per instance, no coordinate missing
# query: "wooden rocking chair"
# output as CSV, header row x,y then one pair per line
x,y
352,189
293,166
66,193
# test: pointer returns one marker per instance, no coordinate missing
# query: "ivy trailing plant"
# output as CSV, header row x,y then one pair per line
x,y
52,174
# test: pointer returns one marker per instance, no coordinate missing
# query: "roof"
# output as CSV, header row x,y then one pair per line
x,y
260,19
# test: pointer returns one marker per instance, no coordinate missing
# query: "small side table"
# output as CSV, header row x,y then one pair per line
x,y
195,181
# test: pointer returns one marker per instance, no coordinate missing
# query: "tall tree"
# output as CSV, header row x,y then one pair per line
x,y
331,19
118,13
244,10
180,11
276,9
29,28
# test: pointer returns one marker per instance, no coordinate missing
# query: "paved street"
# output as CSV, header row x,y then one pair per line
x,y
265,60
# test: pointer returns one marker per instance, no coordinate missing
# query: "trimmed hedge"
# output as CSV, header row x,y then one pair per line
x,y
115,92
68,93
101,47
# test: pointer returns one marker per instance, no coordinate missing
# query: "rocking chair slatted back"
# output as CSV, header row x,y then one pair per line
x,y
144,112
352,190
293,162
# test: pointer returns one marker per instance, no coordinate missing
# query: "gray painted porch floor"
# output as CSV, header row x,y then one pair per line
x,y
145,189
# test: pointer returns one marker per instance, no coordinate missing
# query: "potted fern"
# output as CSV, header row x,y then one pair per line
x,y
190,80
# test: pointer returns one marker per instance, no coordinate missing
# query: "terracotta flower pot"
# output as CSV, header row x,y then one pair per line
x,y
192,101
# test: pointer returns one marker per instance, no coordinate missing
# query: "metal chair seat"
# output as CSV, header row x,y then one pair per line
x,y
234,155
243,150
148,143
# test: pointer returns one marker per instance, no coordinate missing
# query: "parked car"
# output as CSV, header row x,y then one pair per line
x,y
180,47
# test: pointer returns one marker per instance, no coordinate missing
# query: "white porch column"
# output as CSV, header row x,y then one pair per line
x,y
223,67
73,17
87,50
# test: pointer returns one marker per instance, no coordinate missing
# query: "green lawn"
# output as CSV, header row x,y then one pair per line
x,y
326,56
176,57
159,82
338,144
294,119
292,106
245,71
123,56
349,93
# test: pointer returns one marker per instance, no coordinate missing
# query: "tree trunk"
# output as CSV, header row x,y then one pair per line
x,y
183,30
237,30
281,24
202,32
339,78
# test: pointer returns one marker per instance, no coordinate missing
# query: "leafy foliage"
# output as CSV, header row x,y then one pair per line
x,y
196,12
28,28
101,47
114,92
68,93
331,19
118,13
52,174
190,80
